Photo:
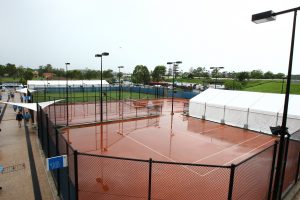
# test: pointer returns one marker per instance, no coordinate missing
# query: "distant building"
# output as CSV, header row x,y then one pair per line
x,y
35,74
48,76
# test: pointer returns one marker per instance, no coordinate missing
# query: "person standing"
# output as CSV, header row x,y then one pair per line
x,y
27,117
19,118
15,108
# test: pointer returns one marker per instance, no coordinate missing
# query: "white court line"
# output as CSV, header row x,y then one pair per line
x,y
161,154
237,158
211,155
186,167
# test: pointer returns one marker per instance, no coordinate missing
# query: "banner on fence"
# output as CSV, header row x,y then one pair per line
x,y
56,162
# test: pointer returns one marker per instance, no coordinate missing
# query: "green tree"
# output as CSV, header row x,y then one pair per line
x,y
28,74
75,74
90,74
256,74
140,75
20,72
108,74
2,70
268,75
279,75
158,73
232,85
11,70
242,76
199,72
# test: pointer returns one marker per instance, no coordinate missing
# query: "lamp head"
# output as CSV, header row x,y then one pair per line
x,y
120,67
178,62
263,17
275,130
105,54
67,63
169,63
98,55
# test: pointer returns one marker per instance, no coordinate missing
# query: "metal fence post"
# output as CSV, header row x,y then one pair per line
x,y
231,182
54,113
38,120
297,172
68,173
42,128
140,92
48,143
150,179
57,153
76,173
286,150
272,170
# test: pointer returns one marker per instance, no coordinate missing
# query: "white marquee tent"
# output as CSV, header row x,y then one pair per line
x,y
33,106
32,84
253,110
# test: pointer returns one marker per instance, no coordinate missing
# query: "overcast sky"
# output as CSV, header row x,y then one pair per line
x,y
202,33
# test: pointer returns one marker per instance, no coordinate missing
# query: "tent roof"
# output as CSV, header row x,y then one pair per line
x,y
32,106
31,83
25,90
255,101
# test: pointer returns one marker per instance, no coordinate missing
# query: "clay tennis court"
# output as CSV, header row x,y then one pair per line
x,y
192,158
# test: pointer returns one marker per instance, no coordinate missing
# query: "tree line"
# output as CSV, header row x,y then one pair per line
x,y
140,74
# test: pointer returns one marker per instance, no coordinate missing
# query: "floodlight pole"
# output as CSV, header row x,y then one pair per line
x,y
175,64
281,159
67,91
101,100
120,81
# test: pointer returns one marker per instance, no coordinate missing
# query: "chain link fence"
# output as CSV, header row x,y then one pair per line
x,y
90,176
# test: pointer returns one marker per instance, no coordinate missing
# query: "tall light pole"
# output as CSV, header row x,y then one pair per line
x,y
282,131
120,67
67,91
101,101
217,72
175,65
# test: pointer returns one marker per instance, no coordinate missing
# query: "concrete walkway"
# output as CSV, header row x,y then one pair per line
x,y
16,181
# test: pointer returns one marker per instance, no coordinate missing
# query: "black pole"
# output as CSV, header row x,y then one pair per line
x,y
231,181
95,103
76,174
272,170
119,84
68,169
150,179
298,166
287,141
101,113
48,142
67,91
58,171
173,85
283,131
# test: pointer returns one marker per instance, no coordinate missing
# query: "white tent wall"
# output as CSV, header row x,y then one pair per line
x,y
261,122
236,117
196,109
31,84
252,110
214,113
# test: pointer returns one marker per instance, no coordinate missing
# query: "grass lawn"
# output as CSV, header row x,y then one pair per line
x,y
9,80
272,87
